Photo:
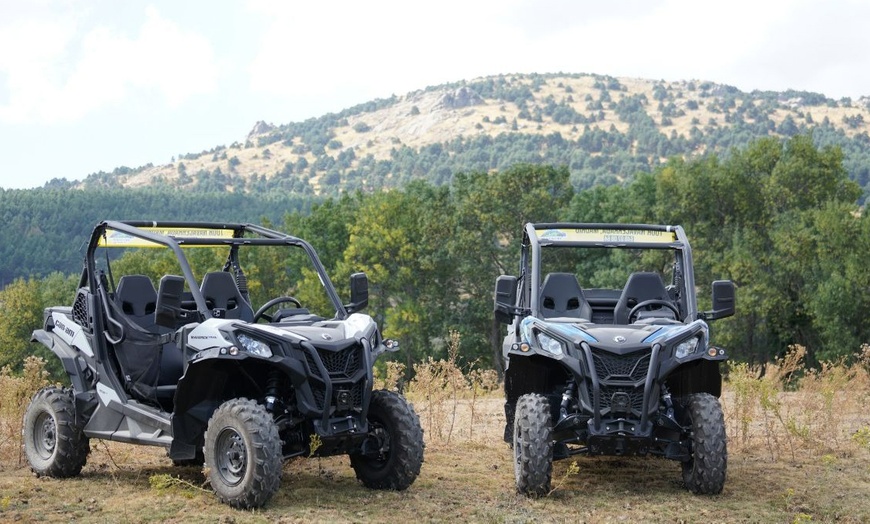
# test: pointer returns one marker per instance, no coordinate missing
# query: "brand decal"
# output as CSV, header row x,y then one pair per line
x,y
64,328
203,337
619,339
553,234
326,336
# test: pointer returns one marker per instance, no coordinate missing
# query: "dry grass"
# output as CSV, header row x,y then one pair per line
x,y
447,398
799,447
789,412
15,393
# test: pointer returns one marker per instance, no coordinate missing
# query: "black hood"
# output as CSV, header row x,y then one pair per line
x,y
626,339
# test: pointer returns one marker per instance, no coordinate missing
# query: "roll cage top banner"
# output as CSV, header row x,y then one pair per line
x,y
116,238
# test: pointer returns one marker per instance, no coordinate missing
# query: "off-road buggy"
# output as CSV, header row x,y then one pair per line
x,y
192,367
607,368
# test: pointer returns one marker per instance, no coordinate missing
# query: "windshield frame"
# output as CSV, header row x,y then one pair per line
x,y
539,236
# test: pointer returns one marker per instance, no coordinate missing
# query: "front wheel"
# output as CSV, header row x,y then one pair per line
x,y
533,445
55,445
704,472
392,455
243,454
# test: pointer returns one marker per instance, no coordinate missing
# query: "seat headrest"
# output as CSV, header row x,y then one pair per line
x,y
562,296
645,286
219,286
136,295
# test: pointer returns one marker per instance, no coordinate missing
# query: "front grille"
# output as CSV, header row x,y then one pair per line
x,y
341,366
355,390
609,366
620,375
319,395
356,394
312,365
606,393
343,363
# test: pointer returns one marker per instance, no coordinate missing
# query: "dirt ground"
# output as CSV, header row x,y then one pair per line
x,y
467,476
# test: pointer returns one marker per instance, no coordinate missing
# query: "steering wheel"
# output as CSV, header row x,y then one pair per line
x,y
653,302
261,313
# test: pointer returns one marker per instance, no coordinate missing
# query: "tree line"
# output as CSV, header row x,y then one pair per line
x,y
780,218
45,229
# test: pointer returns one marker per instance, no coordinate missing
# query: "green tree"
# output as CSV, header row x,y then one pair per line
x,y
780,219
24,302
21,301
491,210
398,239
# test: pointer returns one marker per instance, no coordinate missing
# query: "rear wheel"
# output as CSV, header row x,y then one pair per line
x,y
533,445
702,417
243,454
392,456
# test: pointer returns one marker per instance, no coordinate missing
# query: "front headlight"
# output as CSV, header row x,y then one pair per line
x,y
687,347
549,344
254,346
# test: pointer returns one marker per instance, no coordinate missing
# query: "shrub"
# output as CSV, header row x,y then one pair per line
x,y
15,394
446,396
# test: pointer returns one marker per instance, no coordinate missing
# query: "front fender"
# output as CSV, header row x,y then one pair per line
x,y
209,380
74,364
697,376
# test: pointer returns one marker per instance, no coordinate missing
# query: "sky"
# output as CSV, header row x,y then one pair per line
x,y
89,86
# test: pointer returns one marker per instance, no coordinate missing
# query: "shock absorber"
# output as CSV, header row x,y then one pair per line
x,y
666,400
566,400
272,384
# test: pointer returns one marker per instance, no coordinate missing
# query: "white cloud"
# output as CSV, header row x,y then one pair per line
x,y
58,70
381,47
27,52
672,40
179,64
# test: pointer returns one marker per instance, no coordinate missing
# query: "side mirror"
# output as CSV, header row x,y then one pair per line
x,y
505,298
723,300
359,293
168,305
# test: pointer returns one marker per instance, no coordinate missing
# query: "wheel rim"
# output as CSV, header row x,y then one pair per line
x,y
690,434
689,465
231,456
380,434
45,435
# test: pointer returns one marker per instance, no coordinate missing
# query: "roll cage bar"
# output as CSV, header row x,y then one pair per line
x,y
530,263
265,237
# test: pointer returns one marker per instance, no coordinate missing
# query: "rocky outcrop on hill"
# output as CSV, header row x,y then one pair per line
x,y
459,98
261,128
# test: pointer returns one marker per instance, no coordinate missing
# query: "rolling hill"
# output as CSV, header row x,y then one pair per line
x,y
603,128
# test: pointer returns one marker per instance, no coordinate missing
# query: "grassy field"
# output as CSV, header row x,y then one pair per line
x,y
799,451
